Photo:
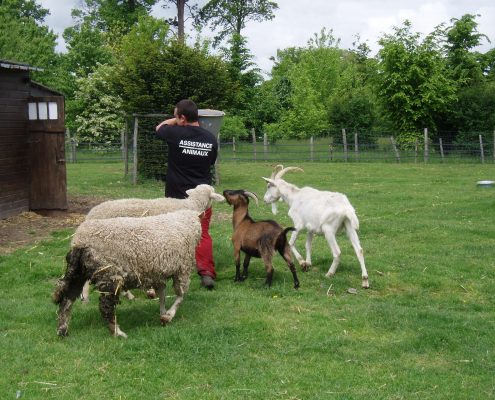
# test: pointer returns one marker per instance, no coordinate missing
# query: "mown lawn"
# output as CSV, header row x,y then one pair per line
x,y
424,330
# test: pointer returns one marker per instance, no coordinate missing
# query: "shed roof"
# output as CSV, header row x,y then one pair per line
x,y
18,65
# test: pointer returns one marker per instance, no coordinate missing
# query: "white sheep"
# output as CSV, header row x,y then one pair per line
x,y
124,253
317,212
199,199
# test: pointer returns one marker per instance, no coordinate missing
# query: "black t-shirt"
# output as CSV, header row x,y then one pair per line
x,y
192,150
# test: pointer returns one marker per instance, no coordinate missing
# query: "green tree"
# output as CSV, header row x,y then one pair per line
x,y
413,81
101,114
230,16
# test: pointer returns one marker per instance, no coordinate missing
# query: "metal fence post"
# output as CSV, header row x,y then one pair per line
x,y
233,147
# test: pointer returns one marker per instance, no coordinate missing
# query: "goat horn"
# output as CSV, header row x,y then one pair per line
x,y
276,170
287,169
252,195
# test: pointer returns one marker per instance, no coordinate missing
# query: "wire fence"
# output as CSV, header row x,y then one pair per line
x,y
260,149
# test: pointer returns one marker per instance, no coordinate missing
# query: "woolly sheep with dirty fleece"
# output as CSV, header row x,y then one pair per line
x,y
124,253
199,199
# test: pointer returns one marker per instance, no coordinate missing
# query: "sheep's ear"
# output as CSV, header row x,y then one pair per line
x,y
189,191
269,180
216,197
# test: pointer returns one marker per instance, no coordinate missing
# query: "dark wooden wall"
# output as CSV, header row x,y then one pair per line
x,y
14,92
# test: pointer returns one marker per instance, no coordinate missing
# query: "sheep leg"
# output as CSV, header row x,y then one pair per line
x,y
108,304
332,242
285,253
180,289
65,295
298,256
353,237
85,292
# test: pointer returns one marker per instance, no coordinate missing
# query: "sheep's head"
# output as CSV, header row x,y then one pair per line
x,y
239,197
206,193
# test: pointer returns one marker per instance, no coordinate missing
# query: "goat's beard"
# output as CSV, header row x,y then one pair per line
x,y
274,208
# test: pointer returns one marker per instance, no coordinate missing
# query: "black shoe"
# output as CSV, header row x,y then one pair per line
x,y
207,282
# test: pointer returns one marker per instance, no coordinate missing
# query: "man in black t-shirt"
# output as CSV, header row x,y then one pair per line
x,y
192,151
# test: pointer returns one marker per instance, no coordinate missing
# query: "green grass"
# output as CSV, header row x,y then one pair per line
x,y
425,329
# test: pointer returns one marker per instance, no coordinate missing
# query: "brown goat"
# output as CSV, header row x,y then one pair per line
x,y
256,239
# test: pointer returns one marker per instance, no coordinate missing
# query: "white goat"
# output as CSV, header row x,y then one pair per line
x,y
317,212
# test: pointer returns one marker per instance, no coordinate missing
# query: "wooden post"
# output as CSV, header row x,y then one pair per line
x,y
344,142
311,148
441,148
330,152
426,146
493,152
216,168
416,147
396,150
482,153
233,147
265,146
134,151
253,134
126,150
356,146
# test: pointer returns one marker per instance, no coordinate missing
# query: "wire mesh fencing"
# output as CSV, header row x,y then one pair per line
x,y
144,156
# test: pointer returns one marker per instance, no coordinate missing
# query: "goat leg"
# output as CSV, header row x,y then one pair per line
x,y
245,265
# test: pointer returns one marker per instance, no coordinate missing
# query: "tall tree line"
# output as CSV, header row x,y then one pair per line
x,y
120,60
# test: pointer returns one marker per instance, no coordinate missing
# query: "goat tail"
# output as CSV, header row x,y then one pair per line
x,y
73,275
282,238
352,218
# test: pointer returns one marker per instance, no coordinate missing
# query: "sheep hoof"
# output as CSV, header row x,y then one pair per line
x,y
63,331
129,295
329,274
151,294
165,319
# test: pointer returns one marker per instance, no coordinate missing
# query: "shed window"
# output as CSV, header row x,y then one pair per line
x,y
33,111
43,110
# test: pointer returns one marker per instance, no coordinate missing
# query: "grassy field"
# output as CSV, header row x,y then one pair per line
x,y
424,330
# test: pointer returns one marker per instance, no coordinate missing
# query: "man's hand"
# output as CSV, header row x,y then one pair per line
x,y
171,121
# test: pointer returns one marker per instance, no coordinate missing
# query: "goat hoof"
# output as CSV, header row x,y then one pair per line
x,y
305,266
296,286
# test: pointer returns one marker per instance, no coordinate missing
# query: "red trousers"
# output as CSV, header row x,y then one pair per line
x,y
204,252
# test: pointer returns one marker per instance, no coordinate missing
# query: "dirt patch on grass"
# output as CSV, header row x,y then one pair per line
x,y
31,227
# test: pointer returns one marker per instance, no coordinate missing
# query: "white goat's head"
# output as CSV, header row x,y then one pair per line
x,y
272,193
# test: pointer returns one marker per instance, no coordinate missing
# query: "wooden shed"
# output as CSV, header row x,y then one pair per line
x,y
32,152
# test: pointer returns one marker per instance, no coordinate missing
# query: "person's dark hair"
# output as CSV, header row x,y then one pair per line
x,y
188,109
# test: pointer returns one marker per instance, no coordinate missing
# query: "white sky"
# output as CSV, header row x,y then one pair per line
x,y
296,21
